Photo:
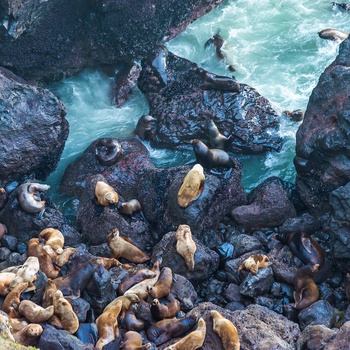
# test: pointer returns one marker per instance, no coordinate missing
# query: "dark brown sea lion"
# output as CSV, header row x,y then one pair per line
x,y
144,128
167,329
217,140
162,287
303,246
130,207
333,34
29,335
212,81
133,341
30,197
306,291
342,6
160,311
136,277
108,151
131,322
3,198
211,158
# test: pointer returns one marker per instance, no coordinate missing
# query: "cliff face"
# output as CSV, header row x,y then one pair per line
x,y
47,39
323,140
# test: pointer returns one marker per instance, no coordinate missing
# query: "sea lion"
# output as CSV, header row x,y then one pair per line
x,y
108,151
52,237
130,207
192,186
27,272
185,245
306,291
160,311
303,246
18,324
121,248
193,340
59,259
5,326
144,128
217,140
131,322
162,287
107,324
211,158
29,335
333,34
12,300
136,277
341,6
212,81
5,280
164,330
140,289
45,262
105,194
254,263
49,292
347,286
225,329
3,198
127,300
133,341
30,197
65,313
35,313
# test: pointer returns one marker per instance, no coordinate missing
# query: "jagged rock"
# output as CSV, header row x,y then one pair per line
x,y
80,307
315,337
342,338
182,289
33,129
243,244
174,88
305,222
258,284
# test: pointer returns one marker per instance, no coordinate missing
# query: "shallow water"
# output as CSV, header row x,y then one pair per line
x,y
275,48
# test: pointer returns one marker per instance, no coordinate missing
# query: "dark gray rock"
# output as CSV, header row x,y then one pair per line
x,y
9,242
258,284
182,289
80,307
232,293
4,253
243,244
305,222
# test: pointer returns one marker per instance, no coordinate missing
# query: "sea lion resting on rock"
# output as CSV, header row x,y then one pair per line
x,y
185,245
217,140
136,277
59,259
193,340
29,197
35,313
192,186
27,272
5,280
160,311
108,151
212,81
306,291
29,335
52,237
121,248
12,300
333,34
162,287
105,194
49,292
127,300
254,263
133,341
131,322
226,331
144,128
130,207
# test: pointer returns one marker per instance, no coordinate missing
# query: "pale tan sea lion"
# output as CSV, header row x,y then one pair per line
x,y
12,300
192,186
62,258
133,341
5,280
254,263
52,237
29,197
107,324
127,300
225,329
35,313
29,335
217,140
105,194
185,245
163,285
193,340
27,272
130,207
121,248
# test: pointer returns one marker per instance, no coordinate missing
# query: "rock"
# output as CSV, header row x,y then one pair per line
x,y
243,244
123,176
183,290
342,338
174,88
322,146
268,206
315,337
320,312
305,222
87,333
232,293
4,253
258,284
80,307
33,129
9,242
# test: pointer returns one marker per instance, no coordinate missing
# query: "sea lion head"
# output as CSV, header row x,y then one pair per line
x,y
110,198
108,151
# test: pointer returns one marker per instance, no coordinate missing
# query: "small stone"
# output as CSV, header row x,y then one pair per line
x,y
9,242
258,284
21,247
4,253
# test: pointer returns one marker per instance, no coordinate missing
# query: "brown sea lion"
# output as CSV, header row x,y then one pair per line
x,y
27,272
333,34
254,263
225,329
144,128
5,329
162,287
105,194
127,300
131,322
164,330
3,198
59,259
18,324
49,292
107,324
213,81
185,245
160,311
52,237
192,186
347,286
35,313
140,289
217,140
306,291
46,264
136,277
108,151
121,248
133,341
29,335
29,197
65,313
193,340
12,300
130,207
211,158
5,280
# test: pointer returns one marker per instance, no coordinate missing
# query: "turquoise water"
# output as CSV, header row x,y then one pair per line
x,y
275,48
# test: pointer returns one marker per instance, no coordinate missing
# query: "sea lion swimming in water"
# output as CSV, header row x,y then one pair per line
x,y
333,34
144,128
342,6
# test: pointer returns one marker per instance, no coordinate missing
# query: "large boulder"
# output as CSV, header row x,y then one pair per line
x,y
33,129
174,87
322,142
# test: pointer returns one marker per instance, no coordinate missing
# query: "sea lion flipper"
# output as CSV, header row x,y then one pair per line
x,y
208,42
305,241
